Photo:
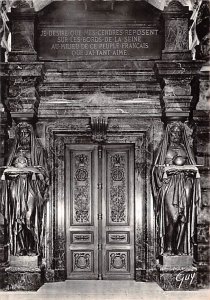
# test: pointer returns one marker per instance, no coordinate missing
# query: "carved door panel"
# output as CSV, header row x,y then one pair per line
x,y
99,212
81,211
118,212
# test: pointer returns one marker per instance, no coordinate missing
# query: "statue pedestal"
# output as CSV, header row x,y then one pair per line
x,y
24,261
177,273
176,260
2,275
23,273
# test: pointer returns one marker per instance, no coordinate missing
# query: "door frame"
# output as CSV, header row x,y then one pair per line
x,y
58,135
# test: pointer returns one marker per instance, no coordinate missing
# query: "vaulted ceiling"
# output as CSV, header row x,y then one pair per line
x,y
39,4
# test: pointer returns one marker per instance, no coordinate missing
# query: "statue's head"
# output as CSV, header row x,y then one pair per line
x,y
24,134
176,131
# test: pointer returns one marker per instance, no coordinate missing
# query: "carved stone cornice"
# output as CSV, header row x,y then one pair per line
x,y
24,68
23,98
178,96
177,69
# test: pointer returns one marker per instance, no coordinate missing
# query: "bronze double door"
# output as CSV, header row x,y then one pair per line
x,y
99,211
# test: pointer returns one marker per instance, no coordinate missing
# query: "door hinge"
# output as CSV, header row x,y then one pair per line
x,y
100,216
99,153
100,186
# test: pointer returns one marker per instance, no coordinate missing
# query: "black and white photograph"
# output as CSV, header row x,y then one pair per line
x,y
104,150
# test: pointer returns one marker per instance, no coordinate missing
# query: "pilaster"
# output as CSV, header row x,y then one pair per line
x,y
201,118
3,135
3,151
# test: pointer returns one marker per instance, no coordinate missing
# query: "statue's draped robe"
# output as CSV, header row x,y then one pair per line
x,y
175,184
23,200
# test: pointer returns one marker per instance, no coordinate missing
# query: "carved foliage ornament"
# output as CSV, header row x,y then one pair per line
x,y
99,128
118,188
81,188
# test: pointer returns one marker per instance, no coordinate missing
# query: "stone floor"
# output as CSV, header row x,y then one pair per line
x,y
104,290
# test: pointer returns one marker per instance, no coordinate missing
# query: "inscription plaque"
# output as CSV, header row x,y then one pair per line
x,y
139,41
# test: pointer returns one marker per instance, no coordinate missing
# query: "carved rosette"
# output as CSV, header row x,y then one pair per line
x,y
118,261
82,261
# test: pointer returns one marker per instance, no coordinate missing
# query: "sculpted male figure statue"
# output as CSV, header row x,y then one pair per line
x,y
176,187
25,188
